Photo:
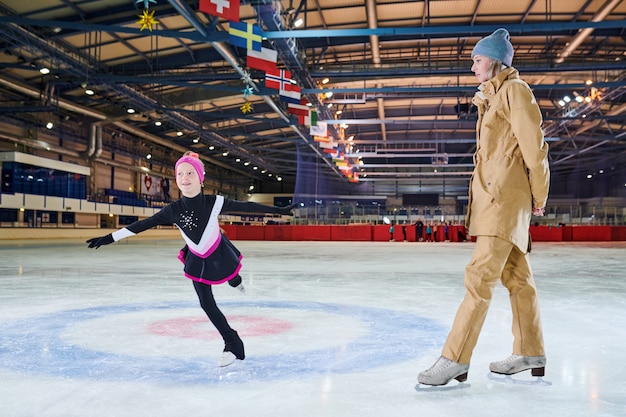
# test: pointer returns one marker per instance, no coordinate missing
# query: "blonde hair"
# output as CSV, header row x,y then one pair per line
x,y
496,67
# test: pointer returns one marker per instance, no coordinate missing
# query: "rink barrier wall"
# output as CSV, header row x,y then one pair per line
x,y
347,233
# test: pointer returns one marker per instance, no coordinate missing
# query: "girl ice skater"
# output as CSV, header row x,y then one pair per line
x,y
209,257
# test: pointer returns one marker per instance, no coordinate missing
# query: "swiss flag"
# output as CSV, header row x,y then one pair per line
x,y
228,9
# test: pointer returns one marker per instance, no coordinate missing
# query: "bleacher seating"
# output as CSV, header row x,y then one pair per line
x,y
125,198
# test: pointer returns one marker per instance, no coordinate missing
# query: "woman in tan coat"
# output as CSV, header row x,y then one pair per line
x,y
509,184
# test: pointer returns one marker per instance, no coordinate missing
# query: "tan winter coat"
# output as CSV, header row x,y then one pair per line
x,y
511,174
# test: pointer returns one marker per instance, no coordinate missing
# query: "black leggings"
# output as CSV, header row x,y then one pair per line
x,y
208,304
232,342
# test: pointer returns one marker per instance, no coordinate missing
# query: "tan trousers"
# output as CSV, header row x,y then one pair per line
x,y
496,259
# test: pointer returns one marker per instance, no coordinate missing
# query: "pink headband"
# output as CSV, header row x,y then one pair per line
x,y
195,162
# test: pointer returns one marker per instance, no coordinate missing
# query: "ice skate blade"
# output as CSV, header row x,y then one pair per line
x,y
508,379
237,363
448,387
235,368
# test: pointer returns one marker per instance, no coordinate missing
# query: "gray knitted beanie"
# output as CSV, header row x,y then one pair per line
x,y
496,46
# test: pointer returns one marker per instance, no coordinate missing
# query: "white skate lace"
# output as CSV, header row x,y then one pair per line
x,y
441,364
510,359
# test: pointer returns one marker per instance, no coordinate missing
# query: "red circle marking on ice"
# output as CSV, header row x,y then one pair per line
x,y
201,327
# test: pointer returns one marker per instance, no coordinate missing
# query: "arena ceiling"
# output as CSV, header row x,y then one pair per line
x,y
399,74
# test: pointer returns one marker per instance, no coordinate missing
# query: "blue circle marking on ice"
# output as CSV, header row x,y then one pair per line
x,y
34,345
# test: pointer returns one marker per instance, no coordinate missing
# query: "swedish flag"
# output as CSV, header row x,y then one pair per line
x,y
245,35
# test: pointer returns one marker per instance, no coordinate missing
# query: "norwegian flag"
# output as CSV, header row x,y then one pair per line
x,y
228,9
278,79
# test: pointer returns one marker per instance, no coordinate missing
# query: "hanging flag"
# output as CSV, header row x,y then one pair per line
x,y
333,152
321,139
298,109
228,9
264,60
245,35
320,130
327,145
277,79
311,119
304,114
291,94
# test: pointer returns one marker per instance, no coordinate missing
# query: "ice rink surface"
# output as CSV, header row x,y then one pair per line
x,y
335,329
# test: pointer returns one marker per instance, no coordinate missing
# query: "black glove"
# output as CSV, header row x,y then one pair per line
x,y
96,242
288,209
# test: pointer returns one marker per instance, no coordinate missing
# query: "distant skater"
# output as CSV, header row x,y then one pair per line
x,y
209,257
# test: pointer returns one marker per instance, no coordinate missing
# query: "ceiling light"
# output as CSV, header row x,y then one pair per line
x,y
130,110
158,123
196,140
225,153
44,71
281,178
298,22
211,147
149,156
179,133
326,80
246,163
567,99
89,92
49,125
238,160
